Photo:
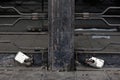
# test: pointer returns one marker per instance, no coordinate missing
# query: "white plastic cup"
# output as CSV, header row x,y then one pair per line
x,y
98,63
21,57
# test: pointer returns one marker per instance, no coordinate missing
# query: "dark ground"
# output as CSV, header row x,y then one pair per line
x,y
37,74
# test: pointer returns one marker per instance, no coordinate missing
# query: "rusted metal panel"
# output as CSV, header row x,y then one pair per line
x,y
61,33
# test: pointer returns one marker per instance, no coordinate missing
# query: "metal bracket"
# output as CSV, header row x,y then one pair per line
x,y
20,16
103,16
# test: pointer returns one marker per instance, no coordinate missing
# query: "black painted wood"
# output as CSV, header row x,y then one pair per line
x,y
61,34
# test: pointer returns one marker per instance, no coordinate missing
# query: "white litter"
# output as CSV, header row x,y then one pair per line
x,y
98,63
21,57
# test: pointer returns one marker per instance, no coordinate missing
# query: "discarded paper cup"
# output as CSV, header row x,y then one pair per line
x,y
98,63
21,57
